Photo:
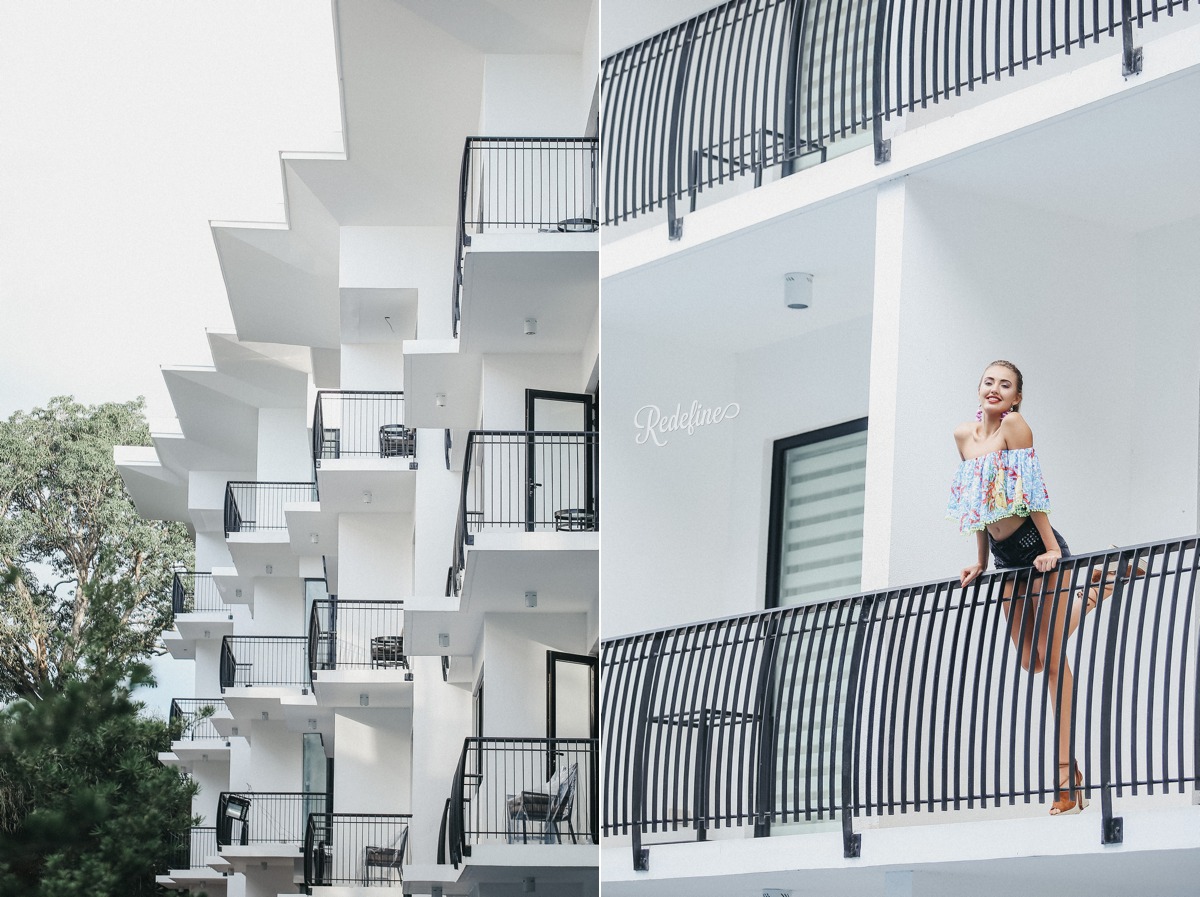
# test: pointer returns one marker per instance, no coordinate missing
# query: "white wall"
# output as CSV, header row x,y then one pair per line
x,y
372,366
274,763
375,556
278,607
406,258
436,506
532,96
514,668
284,452
212,551
373,762
213,778
506,377
441,720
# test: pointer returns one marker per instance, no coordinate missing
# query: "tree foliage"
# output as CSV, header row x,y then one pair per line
x,y
85,807
71,533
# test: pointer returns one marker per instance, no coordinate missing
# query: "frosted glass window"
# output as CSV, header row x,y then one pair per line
x,y
817,515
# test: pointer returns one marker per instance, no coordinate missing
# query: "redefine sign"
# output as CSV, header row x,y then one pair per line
x,y
653,426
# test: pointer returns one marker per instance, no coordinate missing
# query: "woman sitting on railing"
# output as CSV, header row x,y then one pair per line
x,y
999,495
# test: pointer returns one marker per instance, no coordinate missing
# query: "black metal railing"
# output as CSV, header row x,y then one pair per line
x,y
363,635
524,791
191,718
356,849
195,593
915,699
358,424
265,817
542,184
526,480
252,507
280,660
752,84
190,849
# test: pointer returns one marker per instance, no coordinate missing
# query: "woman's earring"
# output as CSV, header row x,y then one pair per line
x,y
979,413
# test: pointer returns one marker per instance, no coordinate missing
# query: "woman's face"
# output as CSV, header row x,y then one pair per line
x,y
998,388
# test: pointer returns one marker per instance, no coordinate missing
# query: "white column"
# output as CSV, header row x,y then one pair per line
x,y
885,368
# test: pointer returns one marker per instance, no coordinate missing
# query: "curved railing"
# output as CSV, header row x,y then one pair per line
x,y
356,849
363,635
355,423
911,699
254,506
265,817
275,660
191,718
195,593
754,84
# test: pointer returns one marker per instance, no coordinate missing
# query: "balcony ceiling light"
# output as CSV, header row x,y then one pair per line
x,y
530,326
531,598
315,537
440,399
443,640
364,700
366,498
797,289
270,569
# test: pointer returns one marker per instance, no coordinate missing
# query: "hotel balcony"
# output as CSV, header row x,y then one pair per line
x,y
525,275
190,866
195,732
356,649
527,536
364,457
901,727
265,678
754,90
269,525
264,827
525,801
199,612
356,850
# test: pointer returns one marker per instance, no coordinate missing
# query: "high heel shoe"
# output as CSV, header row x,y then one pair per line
x,y
1064,806
1107,576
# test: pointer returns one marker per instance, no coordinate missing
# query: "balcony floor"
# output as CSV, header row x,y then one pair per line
x,y
1033,855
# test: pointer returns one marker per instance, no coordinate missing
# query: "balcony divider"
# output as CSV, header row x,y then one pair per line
x,y
257,507
534,184
753,84
196,593
191,718
523,791
265,660
526,480
905,700
265,817
356,635
356,849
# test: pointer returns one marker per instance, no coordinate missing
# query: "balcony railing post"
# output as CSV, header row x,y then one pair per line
x,y
1111,827
1131,56
883,148
852,842
765,723
649,685
674,149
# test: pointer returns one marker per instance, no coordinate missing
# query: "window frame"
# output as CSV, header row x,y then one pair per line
x,y
778,485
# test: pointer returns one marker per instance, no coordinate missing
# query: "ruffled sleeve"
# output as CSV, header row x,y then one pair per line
x,y
1003,484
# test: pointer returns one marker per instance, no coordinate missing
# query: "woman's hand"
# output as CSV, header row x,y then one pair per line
x,y
1044,563
969,574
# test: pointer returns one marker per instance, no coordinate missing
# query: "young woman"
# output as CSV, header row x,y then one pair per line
x,y
999,495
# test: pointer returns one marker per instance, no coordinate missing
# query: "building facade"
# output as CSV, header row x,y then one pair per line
x,y
391,471
822,222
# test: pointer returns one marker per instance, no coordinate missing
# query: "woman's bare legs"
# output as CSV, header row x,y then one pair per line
x,y
1041,639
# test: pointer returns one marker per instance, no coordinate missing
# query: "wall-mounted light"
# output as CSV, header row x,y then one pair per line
x,y
440,400
531,599
237,593
312,724
364,700
366,497
270,569
797,289
530,326
314,537
266,715
207,634
443,640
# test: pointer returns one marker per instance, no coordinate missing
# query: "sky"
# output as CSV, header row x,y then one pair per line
x,y
125,127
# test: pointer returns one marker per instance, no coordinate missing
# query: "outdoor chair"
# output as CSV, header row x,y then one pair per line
x,y
396,441
386,858
551,807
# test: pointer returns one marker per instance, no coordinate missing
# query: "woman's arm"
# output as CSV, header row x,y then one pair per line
x,y
971,572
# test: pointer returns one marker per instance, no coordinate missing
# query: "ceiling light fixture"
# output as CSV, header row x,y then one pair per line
x,y
443,640
440,399
797,289
531,599
315,537
366,498
530,326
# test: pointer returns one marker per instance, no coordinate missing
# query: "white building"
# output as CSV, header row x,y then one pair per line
x,y
869,736
391,473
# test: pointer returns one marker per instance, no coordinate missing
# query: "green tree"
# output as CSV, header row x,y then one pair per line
x,y
85,807
70,532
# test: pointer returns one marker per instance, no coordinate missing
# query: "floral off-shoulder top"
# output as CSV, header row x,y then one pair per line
x,y
1001,484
